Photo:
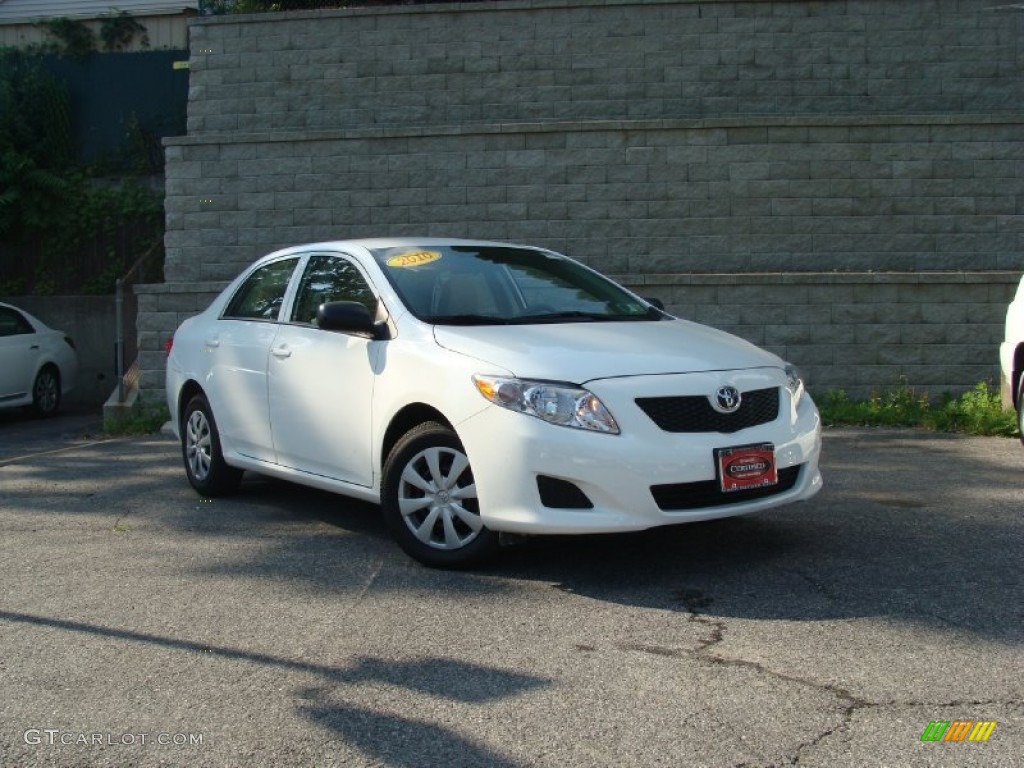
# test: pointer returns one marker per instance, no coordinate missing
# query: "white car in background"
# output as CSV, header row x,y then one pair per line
x,y
38,365
473,388
1011,355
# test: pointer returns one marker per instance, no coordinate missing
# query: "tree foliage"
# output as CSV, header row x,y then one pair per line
x,y
60,230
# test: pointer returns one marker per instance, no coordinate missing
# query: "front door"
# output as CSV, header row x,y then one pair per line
x,y
321,382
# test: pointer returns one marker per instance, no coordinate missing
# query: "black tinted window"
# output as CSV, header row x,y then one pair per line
x,y
12,323
261,295
330,278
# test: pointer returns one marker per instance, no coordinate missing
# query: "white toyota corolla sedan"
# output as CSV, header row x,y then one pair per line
x,y
38,364
478,388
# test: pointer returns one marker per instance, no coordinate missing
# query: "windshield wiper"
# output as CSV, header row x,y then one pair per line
x,y
556,317
466,319
576,316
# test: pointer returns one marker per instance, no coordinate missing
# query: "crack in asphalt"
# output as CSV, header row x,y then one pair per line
x,y
693,601
817,585
118,526
716,636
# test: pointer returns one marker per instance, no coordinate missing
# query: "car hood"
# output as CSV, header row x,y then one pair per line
x,y
582,352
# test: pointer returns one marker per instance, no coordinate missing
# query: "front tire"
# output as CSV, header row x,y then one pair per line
x,y
205,467
429,500
1020,410
46,392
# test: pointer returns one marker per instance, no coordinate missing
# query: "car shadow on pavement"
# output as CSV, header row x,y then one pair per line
x,y
385,736
908,527
887,537
912,527
399,741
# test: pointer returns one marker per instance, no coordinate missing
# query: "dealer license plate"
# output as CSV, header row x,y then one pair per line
x,y
746,467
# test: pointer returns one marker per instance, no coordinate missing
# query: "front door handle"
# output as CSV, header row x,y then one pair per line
x,y
281,352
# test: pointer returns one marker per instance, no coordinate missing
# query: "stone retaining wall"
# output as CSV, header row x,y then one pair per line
x,y
854,169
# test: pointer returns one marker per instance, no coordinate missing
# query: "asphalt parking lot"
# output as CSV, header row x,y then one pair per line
x,y
143,625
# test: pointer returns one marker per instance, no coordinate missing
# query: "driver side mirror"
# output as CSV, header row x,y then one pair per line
x,y
349,317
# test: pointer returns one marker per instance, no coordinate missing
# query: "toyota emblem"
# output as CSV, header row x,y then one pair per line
x,y
727,399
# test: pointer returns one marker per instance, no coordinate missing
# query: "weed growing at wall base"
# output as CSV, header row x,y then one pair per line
x,y
977,412
145,419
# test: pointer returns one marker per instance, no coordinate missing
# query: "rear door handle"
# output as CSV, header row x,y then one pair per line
x,y
212,343
281,352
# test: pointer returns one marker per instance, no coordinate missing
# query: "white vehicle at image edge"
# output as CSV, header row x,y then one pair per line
x,y
1011,355
38,364
476,388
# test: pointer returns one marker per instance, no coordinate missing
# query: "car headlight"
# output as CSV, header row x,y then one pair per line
x,y
795,384
561,404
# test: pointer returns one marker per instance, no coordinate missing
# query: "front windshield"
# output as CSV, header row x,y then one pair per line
x,y
481,285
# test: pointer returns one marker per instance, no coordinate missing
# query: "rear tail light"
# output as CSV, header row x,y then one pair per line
x,y
168,345
70,341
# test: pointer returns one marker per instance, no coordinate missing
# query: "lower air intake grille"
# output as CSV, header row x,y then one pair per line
x,y
708,493
561,494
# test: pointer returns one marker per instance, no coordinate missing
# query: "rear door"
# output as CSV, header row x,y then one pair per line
x,y
238,344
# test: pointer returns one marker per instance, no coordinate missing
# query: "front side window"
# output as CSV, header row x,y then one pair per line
x,y
330,278
12,323
260,297
479,285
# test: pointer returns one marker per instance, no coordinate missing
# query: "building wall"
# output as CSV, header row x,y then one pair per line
x,y
163,32
522,61
804,158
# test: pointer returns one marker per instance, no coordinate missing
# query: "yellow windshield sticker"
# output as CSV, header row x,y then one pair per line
x,y
413,259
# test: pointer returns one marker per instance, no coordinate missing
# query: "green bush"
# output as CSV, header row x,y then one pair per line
x,y
978,412
60,229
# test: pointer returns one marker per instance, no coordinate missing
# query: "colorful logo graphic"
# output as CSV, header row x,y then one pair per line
x,y
958,730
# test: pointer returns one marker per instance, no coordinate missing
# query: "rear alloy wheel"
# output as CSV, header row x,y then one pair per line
x,y
207,471
46,392
430,503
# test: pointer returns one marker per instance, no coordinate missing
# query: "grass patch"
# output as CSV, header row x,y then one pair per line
x,y
145,419
977,412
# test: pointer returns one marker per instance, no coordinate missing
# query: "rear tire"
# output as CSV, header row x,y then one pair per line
x,y
205,467
429,500
46,391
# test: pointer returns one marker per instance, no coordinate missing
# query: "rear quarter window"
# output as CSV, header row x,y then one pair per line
x,y
12,323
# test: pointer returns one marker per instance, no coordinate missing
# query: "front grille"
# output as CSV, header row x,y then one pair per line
x,y
695,414
708,493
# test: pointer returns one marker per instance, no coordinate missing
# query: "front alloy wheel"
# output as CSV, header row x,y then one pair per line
x,y
430,502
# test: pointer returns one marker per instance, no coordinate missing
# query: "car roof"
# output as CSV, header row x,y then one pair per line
x,y
11,306
374,243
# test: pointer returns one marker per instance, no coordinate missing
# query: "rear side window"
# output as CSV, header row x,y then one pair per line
x,y
12,323
329,278
260,297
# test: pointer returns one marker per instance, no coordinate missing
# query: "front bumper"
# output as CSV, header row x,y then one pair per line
x,y
509,451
